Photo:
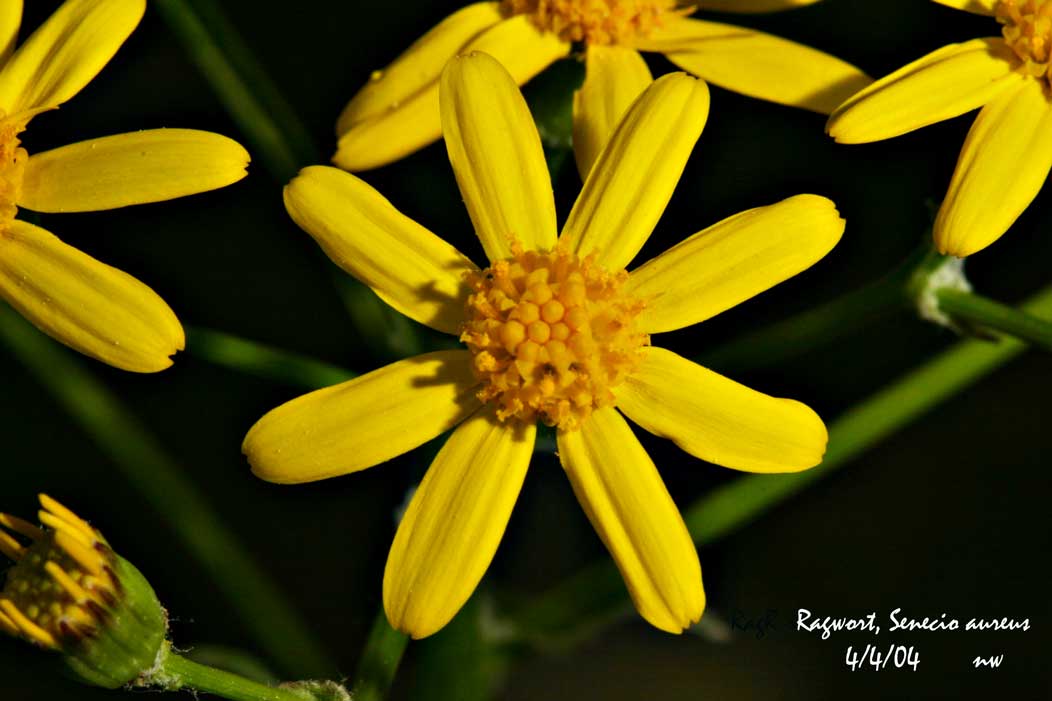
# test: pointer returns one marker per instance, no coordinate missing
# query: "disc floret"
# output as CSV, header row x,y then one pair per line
x,y
593,21
1028,31
552,335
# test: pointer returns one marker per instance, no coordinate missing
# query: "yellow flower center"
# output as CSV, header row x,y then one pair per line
x,y
1028,31
551,335
12,166
593,21
62,584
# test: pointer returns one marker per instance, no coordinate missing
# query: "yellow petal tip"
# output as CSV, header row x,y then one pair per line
x,y
813,439
676,622
259,456
825,217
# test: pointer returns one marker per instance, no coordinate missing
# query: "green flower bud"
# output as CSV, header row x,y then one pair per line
x,y
69,592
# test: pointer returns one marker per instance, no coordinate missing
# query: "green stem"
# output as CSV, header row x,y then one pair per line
x,y
267,362
180,673
274,131
976,310
161,480
596,594
379,661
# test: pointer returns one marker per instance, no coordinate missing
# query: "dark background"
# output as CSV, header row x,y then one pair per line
x,y
949,515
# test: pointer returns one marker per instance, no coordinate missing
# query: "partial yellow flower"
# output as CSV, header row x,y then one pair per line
x,y
397,111
556,330
70,593
1007,154
87,305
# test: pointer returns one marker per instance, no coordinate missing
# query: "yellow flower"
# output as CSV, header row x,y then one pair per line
x,y
85,304
557,331
397,112
1008,151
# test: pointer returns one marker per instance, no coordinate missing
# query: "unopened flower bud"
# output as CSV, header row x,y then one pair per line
x,y
70,592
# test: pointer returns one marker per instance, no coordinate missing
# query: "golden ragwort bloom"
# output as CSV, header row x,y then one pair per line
x,y
87,305
557,331
1007,154
397,112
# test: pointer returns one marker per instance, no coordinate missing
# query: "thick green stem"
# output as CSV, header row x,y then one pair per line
x,y
975,310
180,673
379,661
263,361
596,594
160,479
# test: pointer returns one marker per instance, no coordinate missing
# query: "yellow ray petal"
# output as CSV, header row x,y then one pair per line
x,y
387,136
27,627
87,305
420,65
719,420
979,7
10,547
626,501
10,21
392,135
757,64
734,260
615,77
397,113
1003,165
497,156
520,47
454,523
87,557
751,6
634,176
946,83
21,526
134,168
362,422
409,267
63,513
57,524
66,52
8,626
80,595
